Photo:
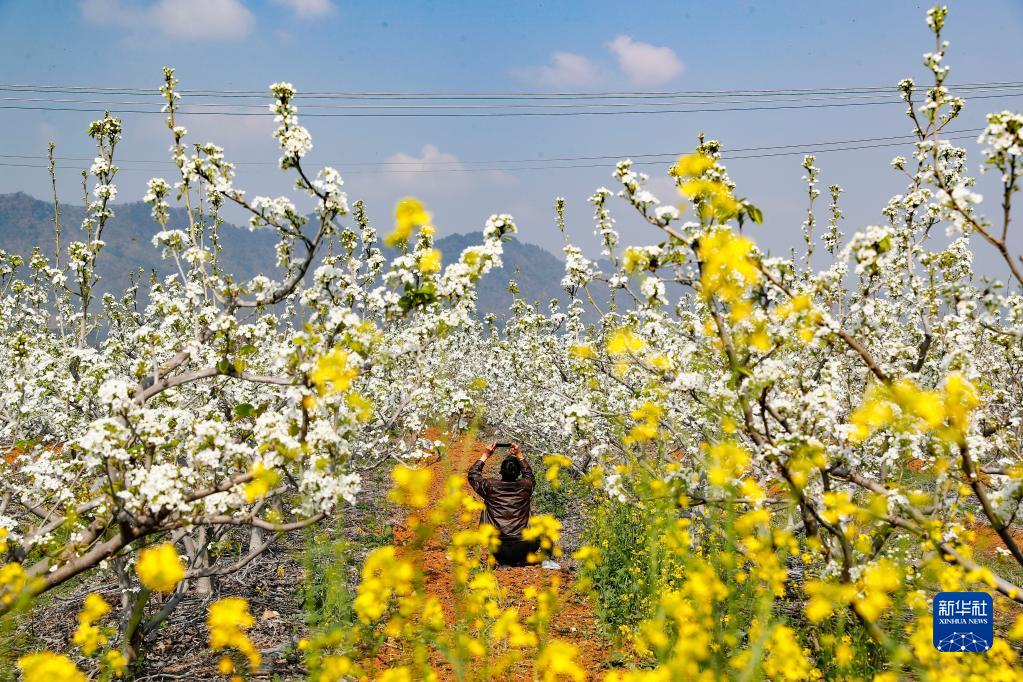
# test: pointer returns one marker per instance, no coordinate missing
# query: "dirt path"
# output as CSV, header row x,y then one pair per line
x,y
574,622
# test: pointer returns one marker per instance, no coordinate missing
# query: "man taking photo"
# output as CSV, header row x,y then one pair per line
x,y
507,501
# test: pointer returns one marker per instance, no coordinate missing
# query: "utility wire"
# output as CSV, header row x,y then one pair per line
x,y
609,157
499,114
109,90
262,108
724,157
491,106
670,100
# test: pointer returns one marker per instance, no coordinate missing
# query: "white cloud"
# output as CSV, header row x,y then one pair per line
x,y
431,158
643,63
567,69
308,9
432,170
188,19
435,171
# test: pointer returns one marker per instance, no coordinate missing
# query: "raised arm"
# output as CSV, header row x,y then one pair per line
x,y
475,475
527,471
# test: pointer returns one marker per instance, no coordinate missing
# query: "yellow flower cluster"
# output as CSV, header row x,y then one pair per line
x,y
409,213
713,198
429,261
647,416
680,635
785,659
545,529
870,595
88,637
728,267
554,463
904,406
635,259
582,351
228,620
49,667
726,461
808,317
263,481
465,543
361,406
411,486
509,628
624,341
559,661
384,575
837,505
333,372
160,568
12,581
691,165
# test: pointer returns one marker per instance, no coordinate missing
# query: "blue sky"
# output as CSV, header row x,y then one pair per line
x,y
504,47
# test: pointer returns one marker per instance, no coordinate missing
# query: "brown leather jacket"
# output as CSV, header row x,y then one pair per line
x,y
507,502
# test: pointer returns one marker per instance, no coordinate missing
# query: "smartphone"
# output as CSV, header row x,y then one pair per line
x,y
502,448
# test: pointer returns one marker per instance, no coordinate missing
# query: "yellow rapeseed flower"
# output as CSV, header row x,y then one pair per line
x,y
115,662
624,341
88,637
411,486
785,659
12,581
409,214
361,405
960,400
160,568
558,661
726,461
546,529
691,165
555,463
582,350
715,199
837,505
263,481
333,373
429,261
876,584
47,666
728,266
227,620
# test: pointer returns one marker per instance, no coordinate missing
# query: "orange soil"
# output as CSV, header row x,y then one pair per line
x,y
987,539
574,622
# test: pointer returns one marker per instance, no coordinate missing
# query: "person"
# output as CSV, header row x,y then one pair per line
x,y
506,505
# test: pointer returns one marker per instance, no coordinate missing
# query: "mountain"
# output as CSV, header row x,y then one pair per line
x,y
27,222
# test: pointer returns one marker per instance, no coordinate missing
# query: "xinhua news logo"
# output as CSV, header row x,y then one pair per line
x,y
963,621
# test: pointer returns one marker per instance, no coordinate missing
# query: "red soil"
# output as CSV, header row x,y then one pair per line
x,y
574,621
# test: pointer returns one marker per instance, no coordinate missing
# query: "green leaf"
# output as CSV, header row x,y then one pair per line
x,y
755,214
244,410
224,366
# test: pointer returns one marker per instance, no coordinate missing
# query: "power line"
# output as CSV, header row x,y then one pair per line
x,y
499,114
519,105
111,90
262,108
795,152
609,157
